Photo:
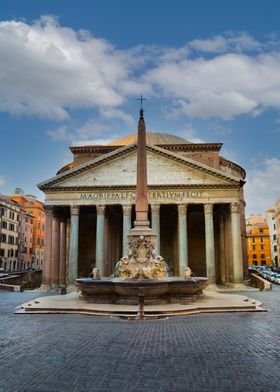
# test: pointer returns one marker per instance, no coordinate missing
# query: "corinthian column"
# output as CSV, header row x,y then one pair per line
x,y
126,226
183,238
74,245
236,243
55,252
209,243
100,224
156,225
62,253
46,278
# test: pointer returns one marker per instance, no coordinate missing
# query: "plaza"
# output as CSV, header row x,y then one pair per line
x,y
205,352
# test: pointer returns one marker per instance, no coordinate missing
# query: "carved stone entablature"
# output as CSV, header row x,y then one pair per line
x,y
127,209
235,207
208,208
75,210
155,208
100,209
182,208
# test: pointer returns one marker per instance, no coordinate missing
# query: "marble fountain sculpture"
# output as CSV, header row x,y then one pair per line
x,y
141,273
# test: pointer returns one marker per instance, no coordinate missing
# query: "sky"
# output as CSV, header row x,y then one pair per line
x,y
71,73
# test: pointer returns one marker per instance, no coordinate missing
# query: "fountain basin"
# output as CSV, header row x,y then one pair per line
x,y
112,290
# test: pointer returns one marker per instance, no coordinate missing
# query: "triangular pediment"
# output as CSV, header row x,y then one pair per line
x,y
119,169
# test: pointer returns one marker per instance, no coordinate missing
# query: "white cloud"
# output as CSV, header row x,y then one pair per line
x,y
230,41
47,69
3,181
61,133
111,113
262,189
222,86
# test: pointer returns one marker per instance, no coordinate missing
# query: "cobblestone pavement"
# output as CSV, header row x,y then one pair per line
x,y
204,352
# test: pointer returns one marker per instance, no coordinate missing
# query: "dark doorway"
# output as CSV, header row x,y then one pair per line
x,y
196,239
87,235
169,236
113,237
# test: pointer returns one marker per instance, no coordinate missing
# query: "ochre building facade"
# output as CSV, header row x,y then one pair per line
x,y
196,208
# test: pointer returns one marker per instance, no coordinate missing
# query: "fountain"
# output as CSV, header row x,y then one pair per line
x,y
142,273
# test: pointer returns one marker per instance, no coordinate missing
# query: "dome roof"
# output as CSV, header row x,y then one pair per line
x,y
154,138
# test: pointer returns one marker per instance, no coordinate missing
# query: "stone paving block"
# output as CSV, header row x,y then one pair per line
x,y
206,352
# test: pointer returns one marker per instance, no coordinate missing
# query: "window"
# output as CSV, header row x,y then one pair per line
x,y
275,248
262,256
262,247
261,230
39,226
26,220
263,262
254,247
261,239
11,239
43,227
42,241
254,240
274,237
274,226
255,262
38,240
3,238
2,252
254,256
4,225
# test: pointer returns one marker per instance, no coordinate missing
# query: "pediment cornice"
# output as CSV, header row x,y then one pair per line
x,y
123,151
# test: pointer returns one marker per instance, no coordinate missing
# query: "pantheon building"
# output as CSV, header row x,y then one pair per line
x,y
196,208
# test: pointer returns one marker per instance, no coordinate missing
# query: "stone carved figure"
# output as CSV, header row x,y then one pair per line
x,y
141,262
188,273
95,273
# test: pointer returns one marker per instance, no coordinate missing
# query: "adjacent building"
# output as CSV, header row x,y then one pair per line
x,y
277,227
196,209
9,233
35,222
25,254
273,236
258,241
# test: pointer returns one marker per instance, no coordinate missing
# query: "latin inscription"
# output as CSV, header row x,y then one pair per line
x,y
153,195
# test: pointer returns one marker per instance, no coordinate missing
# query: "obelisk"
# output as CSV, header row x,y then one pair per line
x,y
141,261
141,224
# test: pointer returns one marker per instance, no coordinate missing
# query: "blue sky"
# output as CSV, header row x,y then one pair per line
x,y
71,72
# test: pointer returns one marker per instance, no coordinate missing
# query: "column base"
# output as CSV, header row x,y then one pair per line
x,y
71,288
212,287
44,288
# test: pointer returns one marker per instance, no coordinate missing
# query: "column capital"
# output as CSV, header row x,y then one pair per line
x,y
75,210
100,209
208,208
235,207
182,208
155,208
126,209
49,210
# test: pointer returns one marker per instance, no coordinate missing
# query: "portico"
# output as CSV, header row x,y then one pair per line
x,y
196,210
